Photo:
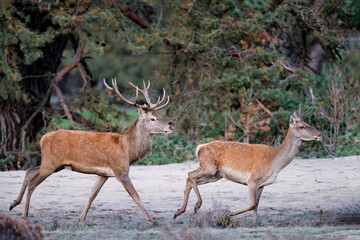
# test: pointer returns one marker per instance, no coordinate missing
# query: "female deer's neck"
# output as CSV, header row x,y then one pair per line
x,y
281,156
139,142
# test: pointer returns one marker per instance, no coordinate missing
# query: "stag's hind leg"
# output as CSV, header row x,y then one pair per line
x,y
30,173
39,177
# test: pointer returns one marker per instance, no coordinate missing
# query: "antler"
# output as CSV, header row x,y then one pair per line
x,y
145,92
115,88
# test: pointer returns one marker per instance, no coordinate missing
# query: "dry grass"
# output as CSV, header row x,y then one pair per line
x,y
208,224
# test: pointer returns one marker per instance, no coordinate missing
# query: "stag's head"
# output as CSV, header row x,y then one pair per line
x,y
147,116
303,130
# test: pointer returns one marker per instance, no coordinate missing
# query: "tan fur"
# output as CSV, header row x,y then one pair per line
x,y
255,165
104,154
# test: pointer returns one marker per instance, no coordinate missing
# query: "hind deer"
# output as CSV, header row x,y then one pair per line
x,y
254,165
104,154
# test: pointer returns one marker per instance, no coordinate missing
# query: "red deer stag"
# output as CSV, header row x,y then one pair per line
x,y
104,154
254,165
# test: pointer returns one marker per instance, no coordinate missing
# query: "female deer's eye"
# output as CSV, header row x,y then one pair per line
x,y
153,119
302,127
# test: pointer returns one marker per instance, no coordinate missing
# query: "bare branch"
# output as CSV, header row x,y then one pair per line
x,y
132,16
63,104
288,78
323,113
135,18
82,75
264,108
312,97
60,75
290,69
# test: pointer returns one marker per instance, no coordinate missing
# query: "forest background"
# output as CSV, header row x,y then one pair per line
x,y
234,70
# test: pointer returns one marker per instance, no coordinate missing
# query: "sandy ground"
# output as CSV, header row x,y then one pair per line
x,y
306,185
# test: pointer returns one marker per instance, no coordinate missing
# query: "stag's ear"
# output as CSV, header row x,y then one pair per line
x,y
141,112
292,121
296,115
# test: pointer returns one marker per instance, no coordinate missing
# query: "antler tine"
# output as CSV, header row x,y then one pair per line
x,y
148,86
159,101
115,87
146,94
163,97
106,85
137,92
164,105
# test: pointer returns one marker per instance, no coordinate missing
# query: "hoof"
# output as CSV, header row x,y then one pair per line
x,y
196,209
11,207
25,219
176,214
82,221
151,223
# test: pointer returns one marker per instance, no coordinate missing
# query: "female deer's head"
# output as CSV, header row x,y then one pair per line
x,y
303,130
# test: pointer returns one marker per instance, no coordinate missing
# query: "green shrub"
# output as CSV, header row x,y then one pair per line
x,y
172,150
7,163
348,145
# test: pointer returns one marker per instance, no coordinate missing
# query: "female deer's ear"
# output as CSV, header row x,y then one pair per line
x,y
292,121
296,115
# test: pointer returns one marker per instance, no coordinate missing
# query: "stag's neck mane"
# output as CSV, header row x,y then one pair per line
x,y
282,155
139,142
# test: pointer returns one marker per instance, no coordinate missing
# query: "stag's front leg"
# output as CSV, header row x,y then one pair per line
x,y
126,182
94,192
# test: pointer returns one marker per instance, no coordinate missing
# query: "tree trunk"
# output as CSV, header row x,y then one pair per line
x,y
14,113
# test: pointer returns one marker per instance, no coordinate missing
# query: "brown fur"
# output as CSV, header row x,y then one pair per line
x,y
103,154
255,165
116,139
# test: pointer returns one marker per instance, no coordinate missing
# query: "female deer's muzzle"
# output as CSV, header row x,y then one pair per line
x,y
320,137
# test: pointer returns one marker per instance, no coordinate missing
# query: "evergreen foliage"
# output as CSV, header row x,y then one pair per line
x,y
235,70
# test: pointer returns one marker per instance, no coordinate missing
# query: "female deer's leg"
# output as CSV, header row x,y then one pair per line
x,y
252,197
204,180
30,173
182,209
198,176
94,192
258,194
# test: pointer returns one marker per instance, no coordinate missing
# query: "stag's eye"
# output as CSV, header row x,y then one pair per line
x,y
302,127
153,119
